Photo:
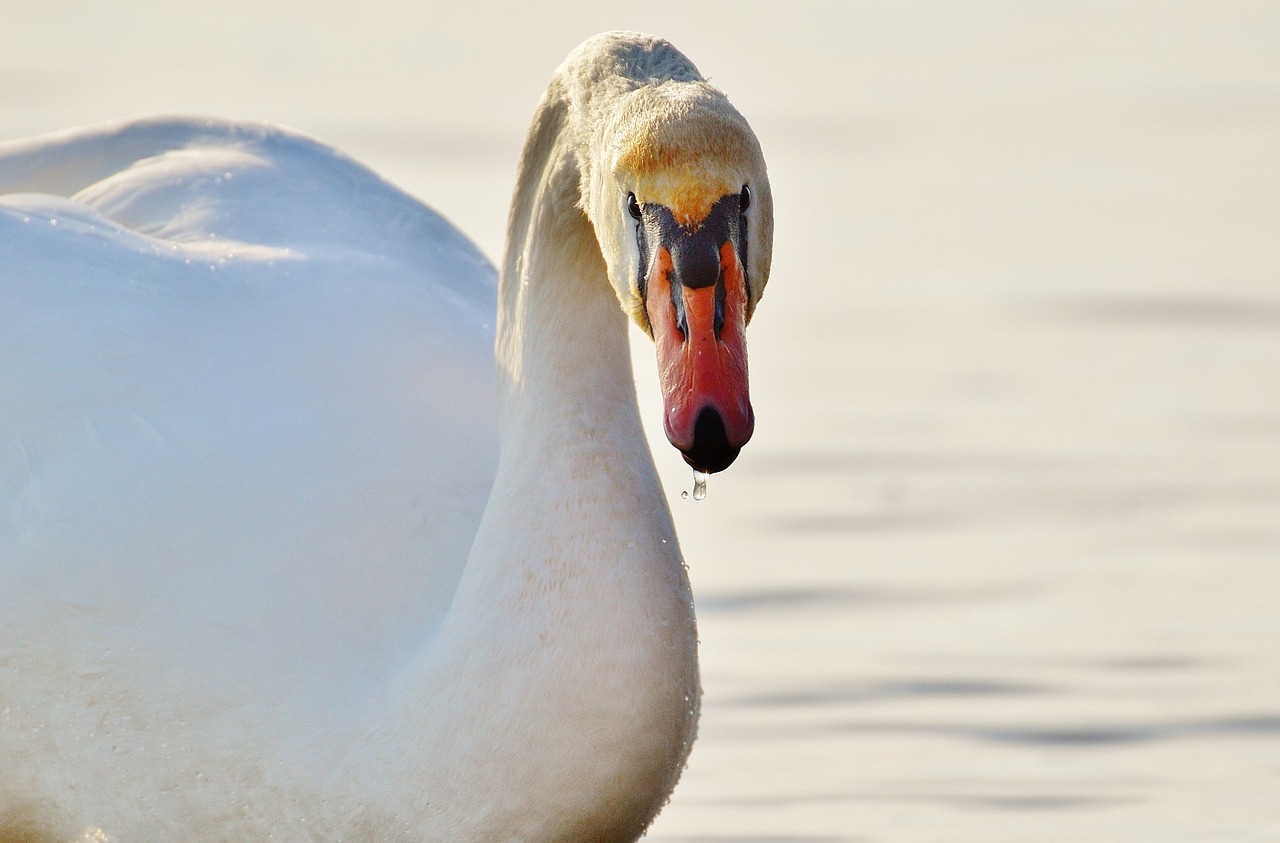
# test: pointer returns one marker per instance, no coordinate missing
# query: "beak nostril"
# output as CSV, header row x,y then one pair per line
x,y
682,317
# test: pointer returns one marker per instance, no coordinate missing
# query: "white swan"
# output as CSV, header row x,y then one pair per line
x,y
274,563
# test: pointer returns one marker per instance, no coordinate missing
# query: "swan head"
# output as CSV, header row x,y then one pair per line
x,y
684,216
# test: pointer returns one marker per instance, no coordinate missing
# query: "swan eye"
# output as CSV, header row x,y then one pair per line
x,y
633,207
744,198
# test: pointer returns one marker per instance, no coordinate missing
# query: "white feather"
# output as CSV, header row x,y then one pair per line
x,y
262,571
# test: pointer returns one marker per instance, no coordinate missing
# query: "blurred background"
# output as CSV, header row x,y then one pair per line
x,y
1003,560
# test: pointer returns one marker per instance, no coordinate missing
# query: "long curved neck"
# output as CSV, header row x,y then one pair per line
x,y
567,661
563,358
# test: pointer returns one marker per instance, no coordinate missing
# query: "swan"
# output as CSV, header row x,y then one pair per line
x,y
296,541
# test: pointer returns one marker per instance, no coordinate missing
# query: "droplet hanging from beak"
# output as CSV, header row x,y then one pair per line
x,y
699,486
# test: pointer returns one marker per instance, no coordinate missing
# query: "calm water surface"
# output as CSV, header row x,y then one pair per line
x,y
1003,561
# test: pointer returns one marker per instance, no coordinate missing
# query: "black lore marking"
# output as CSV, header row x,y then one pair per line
x,y
695,250
642,245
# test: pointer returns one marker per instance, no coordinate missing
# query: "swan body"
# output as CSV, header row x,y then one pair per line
x,y
286,551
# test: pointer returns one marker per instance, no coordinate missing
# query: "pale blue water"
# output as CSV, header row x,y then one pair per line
x,y
1003,559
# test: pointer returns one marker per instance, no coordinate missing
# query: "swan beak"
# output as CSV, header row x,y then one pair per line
x,y
696,301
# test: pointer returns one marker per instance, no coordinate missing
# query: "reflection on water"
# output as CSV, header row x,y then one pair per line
x,y
1262,726
879,691
740,838
750,838
1046,611
801,599
1002,562
1180,312
989,497
959,798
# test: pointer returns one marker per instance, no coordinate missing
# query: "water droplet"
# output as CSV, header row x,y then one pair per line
x,y
699,486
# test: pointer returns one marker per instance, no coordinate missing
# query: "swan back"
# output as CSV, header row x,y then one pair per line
x,y
268,565
243,363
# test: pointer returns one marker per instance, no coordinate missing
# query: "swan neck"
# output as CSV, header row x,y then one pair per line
x,y
563,358
568,658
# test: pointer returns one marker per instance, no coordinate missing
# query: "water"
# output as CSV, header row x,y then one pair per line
x,y
699,486
1015,578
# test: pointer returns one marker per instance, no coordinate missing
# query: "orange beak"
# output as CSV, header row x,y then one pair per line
x,y
696,301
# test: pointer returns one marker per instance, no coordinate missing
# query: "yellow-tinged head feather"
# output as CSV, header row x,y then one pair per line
x,y
684,147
